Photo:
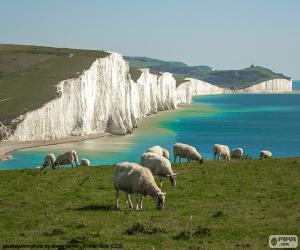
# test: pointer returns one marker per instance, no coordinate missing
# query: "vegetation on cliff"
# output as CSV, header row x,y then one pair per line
x,y
222,78
29,74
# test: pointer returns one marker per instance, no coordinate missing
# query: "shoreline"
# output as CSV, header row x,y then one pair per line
x,y
8,147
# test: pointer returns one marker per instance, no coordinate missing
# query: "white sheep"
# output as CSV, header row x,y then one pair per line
x,y
67,158
265,154
49,161
160,151
221,151
237,153
132,178
85,162
186,151
159,166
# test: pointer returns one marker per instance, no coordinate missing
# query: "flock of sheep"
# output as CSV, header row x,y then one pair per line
x,y
133,178
68,158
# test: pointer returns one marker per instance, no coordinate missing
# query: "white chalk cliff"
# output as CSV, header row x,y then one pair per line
x,y
271,86
104,98
193,87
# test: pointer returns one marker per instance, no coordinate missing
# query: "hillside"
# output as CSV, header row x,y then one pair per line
x,y
222,78
218,205
28,75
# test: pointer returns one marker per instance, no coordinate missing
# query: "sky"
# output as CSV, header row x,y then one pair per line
x,y
224,34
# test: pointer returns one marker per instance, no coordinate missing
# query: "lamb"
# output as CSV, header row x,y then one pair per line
x,y
159,166
221,151
49,161
265,154
237,153
186,151
133,178
160,151
67,158
85,162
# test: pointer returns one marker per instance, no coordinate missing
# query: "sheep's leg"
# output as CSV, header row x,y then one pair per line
x,y
215,156
161,179
175,157
117,198
137,201
180,160
129,203
188,160
141,202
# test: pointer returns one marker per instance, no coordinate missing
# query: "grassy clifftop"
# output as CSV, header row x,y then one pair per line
x,y
223,78
218,205
28,75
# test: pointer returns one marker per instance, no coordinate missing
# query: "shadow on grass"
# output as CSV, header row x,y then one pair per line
x,y
94,207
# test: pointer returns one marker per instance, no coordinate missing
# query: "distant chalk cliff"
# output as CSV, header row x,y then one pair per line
x,y
105,98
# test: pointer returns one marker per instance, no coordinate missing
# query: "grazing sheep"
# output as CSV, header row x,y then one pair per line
x,y
160,151
132,178
159,166
237,153
85,162
265,154
67,158
221,151
49,160
186,151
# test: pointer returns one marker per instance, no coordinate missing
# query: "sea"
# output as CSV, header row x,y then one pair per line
x,y
254,122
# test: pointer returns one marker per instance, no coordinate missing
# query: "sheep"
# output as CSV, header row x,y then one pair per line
x,y
221,151
133,178
159,166
160,151
265,154
49,161
85,162
237,153
186,151
67,158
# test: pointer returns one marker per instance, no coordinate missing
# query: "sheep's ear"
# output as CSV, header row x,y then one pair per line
x,y
168,175
175,174
163,193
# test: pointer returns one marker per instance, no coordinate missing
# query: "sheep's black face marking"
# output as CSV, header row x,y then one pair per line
x,y
160,201
173,180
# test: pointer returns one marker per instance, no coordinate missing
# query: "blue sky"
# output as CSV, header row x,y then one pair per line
x,y
225,34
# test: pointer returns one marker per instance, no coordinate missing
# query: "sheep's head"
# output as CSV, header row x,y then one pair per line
x,y
160,199
196,157
172,178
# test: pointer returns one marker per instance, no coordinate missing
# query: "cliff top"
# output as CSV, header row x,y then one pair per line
x,y
29,74
222,78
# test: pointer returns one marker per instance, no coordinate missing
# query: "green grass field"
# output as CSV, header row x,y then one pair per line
x,y
29,74
219,205
224,78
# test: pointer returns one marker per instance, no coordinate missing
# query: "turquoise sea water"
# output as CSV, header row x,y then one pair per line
x,y
254,122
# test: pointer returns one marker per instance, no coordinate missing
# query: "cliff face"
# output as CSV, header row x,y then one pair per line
x,y
193,87
272,86
102,99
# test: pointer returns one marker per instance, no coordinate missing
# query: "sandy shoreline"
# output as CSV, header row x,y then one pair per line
x,y
8,147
